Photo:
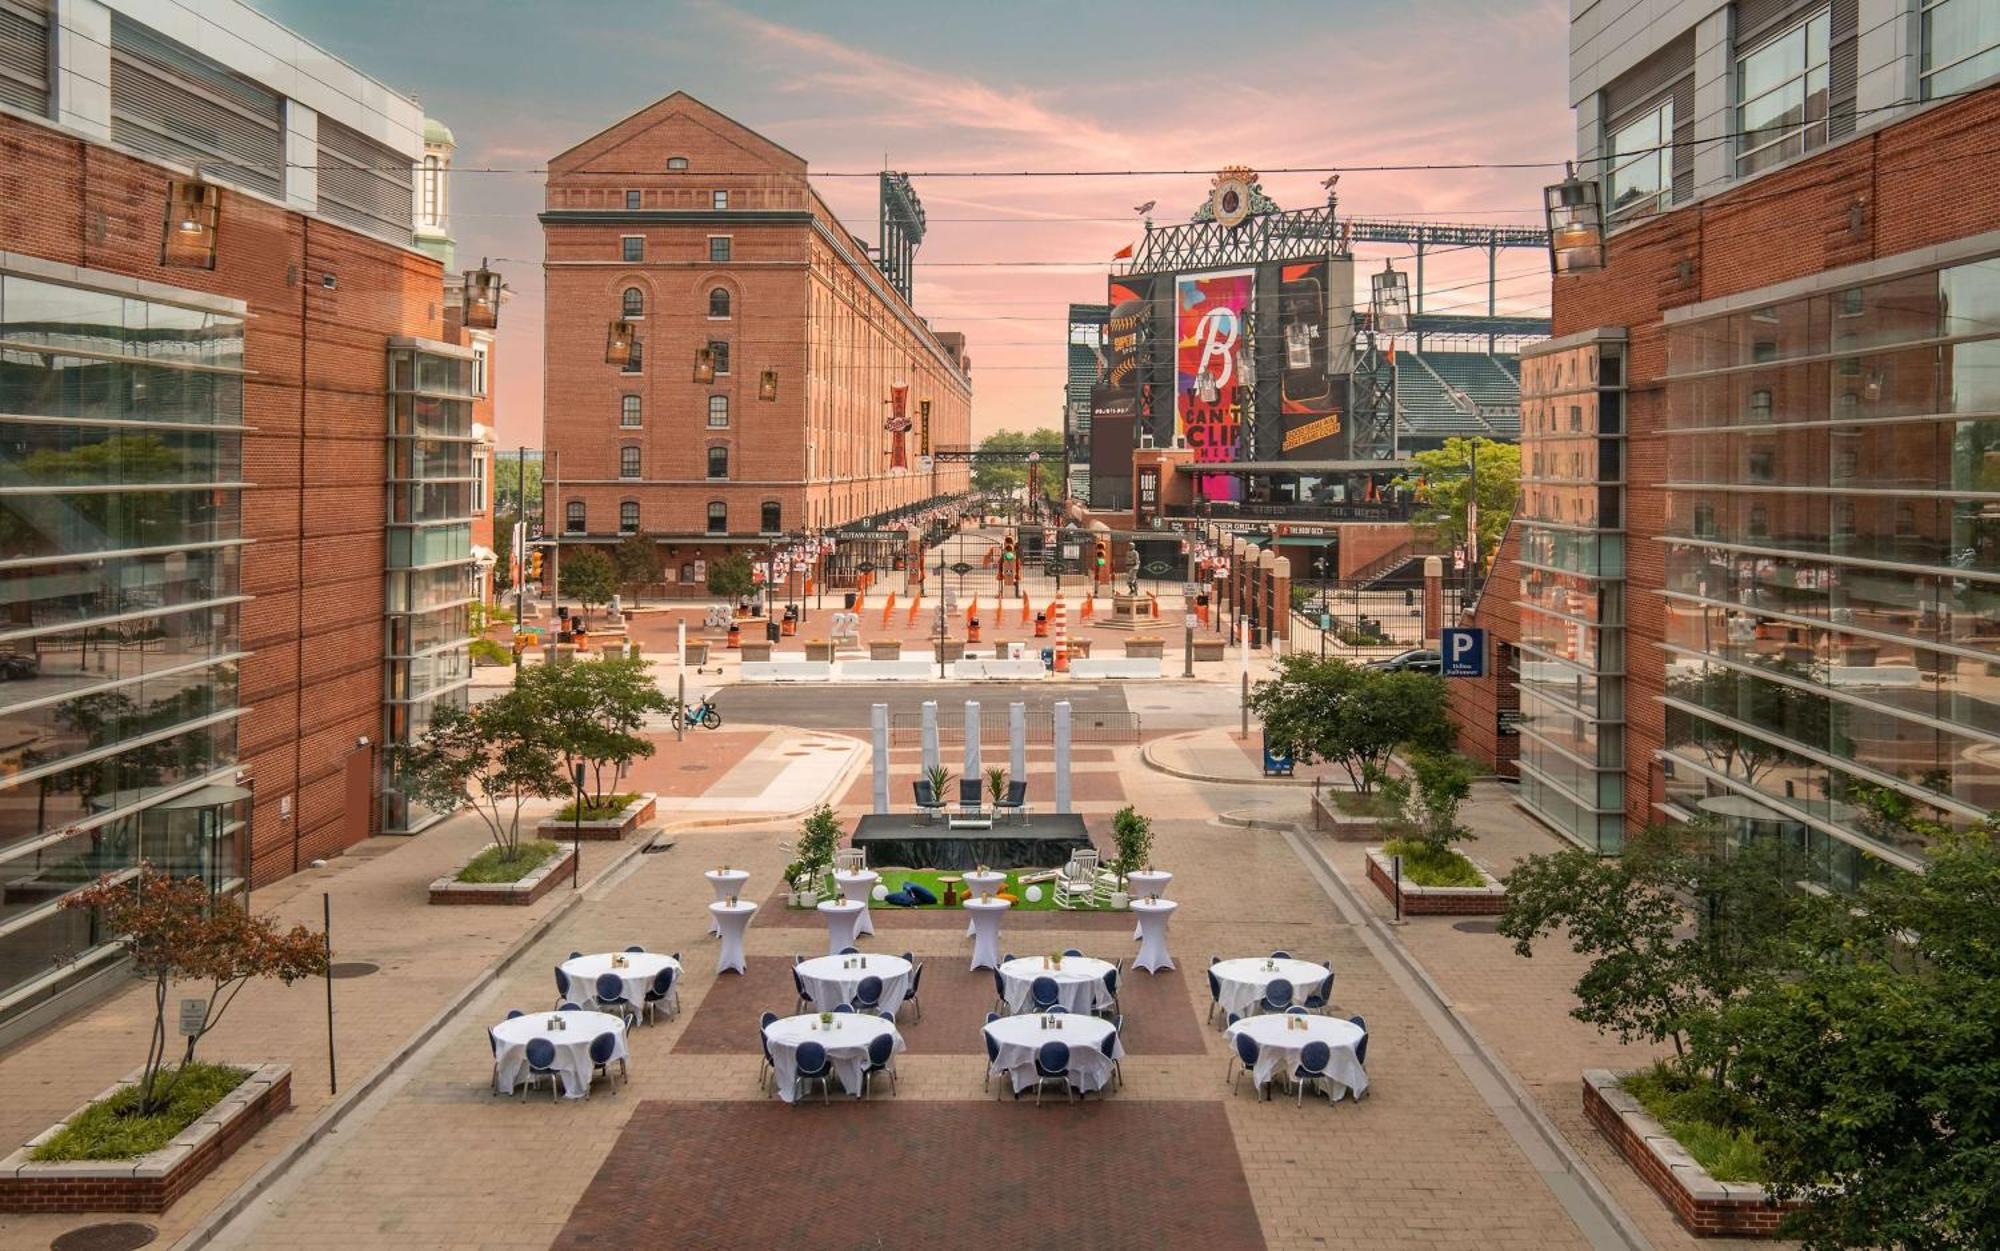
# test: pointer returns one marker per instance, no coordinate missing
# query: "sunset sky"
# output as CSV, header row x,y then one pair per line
x,y
950,85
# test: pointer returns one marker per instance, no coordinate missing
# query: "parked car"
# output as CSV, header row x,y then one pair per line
x,y
15,667
1416,660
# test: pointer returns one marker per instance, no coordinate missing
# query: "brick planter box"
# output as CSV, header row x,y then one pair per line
x,y
1343,826
953,649
151,1182
1079,649
611,829
881,649
553,871
1419,901
757,651
697,651
1209,648
820,651
1145,649
1709,1208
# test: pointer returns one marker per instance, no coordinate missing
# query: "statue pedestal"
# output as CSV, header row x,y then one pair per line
x,y
1128,612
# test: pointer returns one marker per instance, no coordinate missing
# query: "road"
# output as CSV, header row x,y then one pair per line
x,y
1161,705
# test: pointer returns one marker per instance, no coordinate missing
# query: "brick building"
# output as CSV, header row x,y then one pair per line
x,y
1755,575
703,236
234,500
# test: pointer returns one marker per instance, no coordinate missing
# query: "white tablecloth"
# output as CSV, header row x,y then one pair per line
x,y
985,914
726,882
1153,915
828,984
842,915
1242,982
733,920
641,967
1019,1037
572,1046
857,887
1079,983
1279,1047
846,1042
982,886
1148,883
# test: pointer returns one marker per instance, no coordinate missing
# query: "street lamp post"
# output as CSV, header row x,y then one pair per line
x,y
1319,564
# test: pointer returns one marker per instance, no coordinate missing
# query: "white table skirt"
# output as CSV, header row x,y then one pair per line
x,y
846,1042
1153,916
641,967
1279,1048
1146,884
1242,982
1020,1037
985,914
726,882
842,916
828,984
733,921
572,1047
1079,983
859,886
981,886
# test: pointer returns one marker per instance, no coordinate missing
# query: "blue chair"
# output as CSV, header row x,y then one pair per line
x,y
1214,992
1277,995
1111,987
576,955
850,951
1071,951
664,991
1047,996
1313,1059
1016,800
1111,1048
927,799
514,1012
1296,1010
881,1052
602,1048
635,949
611,996
1000,988
542,1062
1361,1048
969,794
992,1053
562,984
868,994
493,1041
1052,1064
764,1024
568,1005
1281,955
916,985
890,1017
843,1007
813,1066
799,984
1246,1054
1319,996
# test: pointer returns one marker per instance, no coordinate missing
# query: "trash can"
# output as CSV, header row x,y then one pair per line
x,y
771,631
1276,763
1049,659
850,601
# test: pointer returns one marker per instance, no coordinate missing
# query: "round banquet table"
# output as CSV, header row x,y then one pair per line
x,y
855,887
842,916
831,980
572,1045
1079,982
1147,884
641,967
985,913
1020,1037
982,886
1241,982
1153,916
846,1041
1278,1047
733,920
727,882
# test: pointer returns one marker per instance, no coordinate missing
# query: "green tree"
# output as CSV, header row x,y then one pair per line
x,y
1443,483
1427,805
592,713
508,495
486,757
1872,1073
638,563
588,577
1006,476
503,550
1328,709
1794,711
730,577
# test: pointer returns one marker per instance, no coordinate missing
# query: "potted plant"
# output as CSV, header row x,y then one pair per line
x,y
1133,835
799,880
996,786
819,834
939,777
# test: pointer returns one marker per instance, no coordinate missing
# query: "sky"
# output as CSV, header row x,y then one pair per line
x,y
963,86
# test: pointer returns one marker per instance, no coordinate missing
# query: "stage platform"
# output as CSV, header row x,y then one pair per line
x,y
907,841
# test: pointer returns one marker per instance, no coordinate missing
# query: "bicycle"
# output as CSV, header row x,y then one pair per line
x,y
703,714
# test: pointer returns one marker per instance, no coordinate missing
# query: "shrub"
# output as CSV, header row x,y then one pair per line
x,y
1134,836
1712,1122
114,1128
602,809
490,652
500,864
1426,865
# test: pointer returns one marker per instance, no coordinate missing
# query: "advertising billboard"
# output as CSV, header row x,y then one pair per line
x,y
1310,402
1211,317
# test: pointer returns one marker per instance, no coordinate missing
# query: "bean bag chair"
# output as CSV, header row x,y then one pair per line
x,y
921,893
1009,896
900,899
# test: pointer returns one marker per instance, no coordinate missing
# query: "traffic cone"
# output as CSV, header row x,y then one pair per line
x,y
1089,610
1024,612
1156,606
912,619
890,607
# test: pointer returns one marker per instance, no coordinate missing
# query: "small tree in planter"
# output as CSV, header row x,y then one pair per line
x,y
638,563
588,577
996,786
485,758
939,777
176,932
1351,716
1133,835
819,835
1425,817
731,577
592,713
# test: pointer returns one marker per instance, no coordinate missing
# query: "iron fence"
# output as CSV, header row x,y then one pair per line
x,y
906,728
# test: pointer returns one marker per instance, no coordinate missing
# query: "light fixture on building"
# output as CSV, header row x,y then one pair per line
x,y
1389,299
1575,210
194,211
618,344
482,297
767,386
704,365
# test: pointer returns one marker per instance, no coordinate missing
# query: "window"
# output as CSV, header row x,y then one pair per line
x,y
677,162
1760,406
628,462
718,247
432,183
629,411
1642,166
573,517
772,520
632,199
628,517
718,302
479,463
718,462
632,247
1961,45
1781,95
632,303
636,361
718,412
721,349
720,200
479,353
718,517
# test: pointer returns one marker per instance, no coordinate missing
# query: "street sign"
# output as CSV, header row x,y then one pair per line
x,y
1464,652
194,1015
961,568
1189,621
1072,551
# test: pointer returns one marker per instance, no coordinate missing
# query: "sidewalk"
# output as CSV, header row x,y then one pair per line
x,y
1219,754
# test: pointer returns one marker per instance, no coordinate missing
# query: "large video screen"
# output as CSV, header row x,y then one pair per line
x,y
1310,403
1211,316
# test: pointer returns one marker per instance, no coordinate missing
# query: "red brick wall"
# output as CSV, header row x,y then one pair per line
x,y
315,400
1476,703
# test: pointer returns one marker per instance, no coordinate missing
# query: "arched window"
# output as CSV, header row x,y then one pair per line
x,y
628,517
718,517
718,412
573,516
718,462
773,519
718,302
633,304
628,462
628,410
677,162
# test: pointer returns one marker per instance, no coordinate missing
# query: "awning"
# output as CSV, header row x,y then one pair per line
x,y
1262,467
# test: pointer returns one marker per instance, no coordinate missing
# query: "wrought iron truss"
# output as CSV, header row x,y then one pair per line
x,y
971,455
900,228
1301,234
1372,401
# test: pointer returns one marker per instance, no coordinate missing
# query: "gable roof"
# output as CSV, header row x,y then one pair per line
x,y
679,105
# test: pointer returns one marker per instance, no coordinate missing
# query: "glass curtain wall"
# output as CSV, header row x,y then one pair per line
x,y
1833,562
432,484
1572,605
121,423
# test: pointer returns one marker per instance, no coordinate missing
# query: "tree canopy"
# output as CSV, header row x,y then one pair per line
x,y
1355,717
731,576
587,576
591,713
1443,484
1005,477
638,563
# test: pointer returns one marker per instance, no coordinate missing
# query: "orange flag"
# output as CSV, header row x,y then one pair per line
x,y
1123,254
1024,612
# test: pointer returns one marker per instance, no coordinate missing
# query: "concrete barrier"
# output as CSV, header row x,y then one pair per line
x,y
1006,669
1116,667
884,670
787,671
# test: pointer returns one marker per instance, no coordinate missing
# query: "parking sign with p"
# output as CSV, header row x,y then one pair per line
x,y
1464,653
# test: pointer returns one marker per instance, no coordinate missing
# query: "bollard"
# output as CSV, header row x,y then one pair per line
x,y
1397,866
680,726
